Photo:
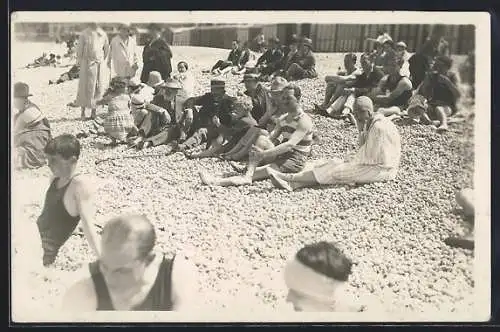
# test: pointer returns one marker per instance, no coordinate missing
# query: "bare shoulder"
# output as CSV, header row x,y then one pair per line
x,y
405,81
80,296
305,121
83,184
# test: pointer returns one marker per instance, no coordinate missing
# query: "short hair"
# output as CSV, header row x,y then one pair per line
x,y
297,92
325,258
123,229
445,59
353,57
183,62
65,145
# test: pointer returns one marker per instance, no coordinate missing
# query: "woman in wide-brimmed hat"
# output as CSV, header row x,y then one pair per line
x,y
31,130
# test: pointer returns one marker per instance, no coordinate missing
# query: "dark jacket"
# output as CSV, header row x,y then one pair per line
x,y
259,102
156,56
234,57
244,57
209,108
271,57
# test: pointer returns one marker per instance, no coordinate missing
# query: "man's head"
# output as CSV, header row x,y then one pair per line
x,y
392,64
315,274
217,88
277,85
154,31
154,79
169,88
235,44
388,45
182,67
134,83
21,95
127,244
442,64
350,60
363,109
401,47
124,31
242,107
251,81
62,154
366,62
307,45
119,84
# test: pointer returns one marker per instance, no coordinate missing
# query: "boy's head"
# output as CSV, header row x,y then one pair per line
x,y
62,154
315,274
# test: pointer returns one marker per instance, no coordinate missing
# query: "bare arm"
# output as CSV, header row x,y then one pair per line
x,y
403,85
86,209
304,126
80,297
184,284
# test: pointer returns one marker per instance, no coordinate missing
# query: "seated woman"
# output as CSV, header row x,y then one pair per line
x,y
305,67
72,74
232,60
286,149
394,90
335,84
440,89
31,130
376,160
118,123
317,279
272,103
131,275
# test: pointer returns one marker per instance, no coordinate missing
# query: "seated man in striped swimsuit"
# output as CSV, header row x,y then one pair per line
x,y
130,275
287,155
376,160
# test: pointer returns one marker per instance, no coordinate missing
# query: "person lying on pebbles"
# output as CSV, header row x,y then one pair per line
x,y
286,149
267,101
229,136
31,130
376,160
439,88
232,61
131,275
394,90
317,279
215,110
68,200
464,198
72,74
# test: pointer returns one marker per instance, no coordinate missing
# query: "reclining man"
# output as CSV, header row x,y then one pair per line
x,y
286,149
376,160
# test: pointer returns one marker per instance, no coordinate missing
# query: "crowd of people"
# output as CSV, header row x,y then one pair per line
x,y
265,127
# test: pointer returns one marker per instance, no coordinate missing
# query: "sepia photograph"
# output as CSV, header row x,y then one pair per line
x,y
257,166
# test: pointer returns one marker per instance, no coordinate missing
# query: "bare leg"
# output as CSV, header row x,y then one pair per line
x,y
291,182
442,118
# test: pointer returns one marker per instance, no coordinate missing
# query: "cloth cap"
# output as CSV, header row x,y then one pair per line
x,y
155,79
21,90
217,84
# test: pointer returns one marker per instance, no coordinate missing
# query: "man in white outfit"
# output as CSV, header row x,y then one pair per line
x,y
124,55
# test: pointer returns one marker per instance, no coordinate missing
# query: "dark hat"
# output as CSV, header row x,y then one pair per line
x,y
307,42
250,77
21,90
217,83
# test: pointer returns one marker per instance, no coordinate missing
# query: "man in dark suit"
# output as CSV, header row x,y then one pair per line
x,y
270,61
156,55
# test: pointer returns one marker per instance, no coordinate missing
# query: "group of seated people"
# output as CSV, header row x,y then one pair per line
x,y
294,62
391,88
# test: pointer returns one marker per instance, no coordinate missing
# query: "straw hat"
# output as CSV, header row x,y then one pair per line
x,y
155,79
22,90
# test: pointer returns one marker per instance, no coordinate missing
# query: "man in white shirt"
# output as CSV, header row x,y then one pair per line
x,y
124,55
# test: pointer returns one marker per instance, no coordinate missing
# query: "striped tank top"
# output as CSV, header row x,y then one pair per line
x,y
288,126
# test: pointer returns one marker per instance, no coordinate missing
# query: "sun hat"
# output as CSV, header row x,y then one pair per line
x,y
170,83
21,90
401,44
217,83
138,101
154,79
250,77
278,84
134,82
